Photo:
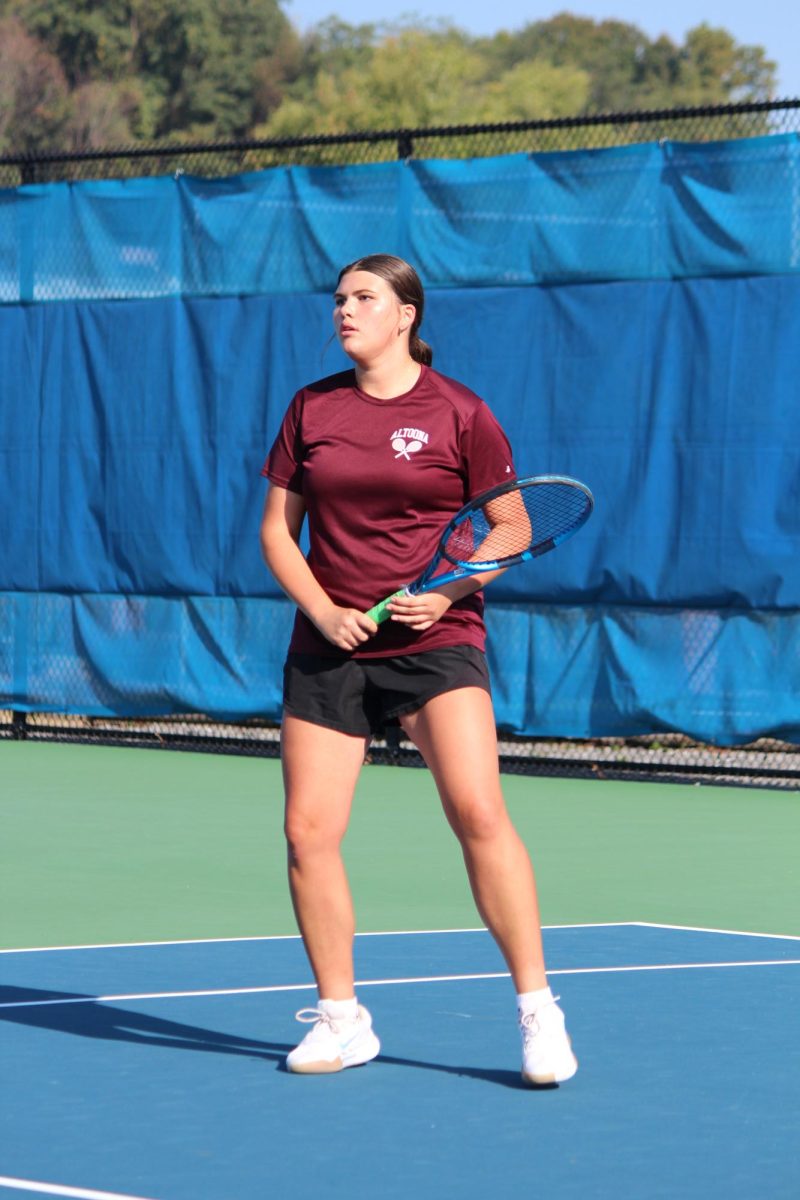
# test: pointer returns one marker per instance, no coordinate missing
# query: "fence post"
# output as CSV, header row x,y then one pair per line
x,y
19,726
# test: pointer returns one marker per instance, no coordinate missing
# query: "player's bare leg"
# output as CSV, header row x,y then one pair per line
x,y
455,734
320,771
320,768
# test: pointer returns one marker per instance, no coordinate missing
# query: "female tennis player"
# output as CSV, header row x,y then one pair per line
x,y
377,459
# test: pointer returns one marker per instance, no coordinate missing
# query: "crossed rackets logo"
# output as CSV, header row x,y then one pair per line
x,y
405,449
408,441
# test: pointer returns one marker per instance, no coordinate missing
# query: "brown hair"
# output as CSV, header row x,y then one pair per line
x,y
407,286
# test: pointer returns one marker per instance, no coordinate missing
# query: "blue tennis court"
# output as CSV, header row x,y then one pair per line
x,y
155,1070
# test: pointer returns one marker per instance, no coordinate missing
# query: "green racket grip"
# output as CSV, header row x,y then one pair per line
x,y
380,612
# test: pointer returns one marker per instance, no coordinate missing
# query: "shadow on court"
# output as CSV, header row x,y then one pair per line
x,y
81,1015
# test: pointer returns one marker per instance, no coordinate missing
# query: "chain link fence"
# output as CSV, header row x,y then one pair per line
x,y
670,756
708,124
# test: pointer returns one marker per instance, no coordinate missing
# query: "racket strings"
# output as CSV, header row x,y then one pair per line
x,y
516,523
461,543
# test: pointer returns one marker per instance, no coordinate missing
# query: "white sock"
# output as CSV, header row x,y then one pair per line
x,y
340,1010
528,1002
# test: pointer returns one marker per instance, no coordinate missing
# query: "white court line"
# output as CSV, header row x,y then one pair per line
x,y
58,1189
307,987
781,937
294,937
764,962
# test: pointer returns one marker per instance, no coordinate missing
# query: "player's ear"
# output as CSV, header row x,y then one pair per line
x,y
407,314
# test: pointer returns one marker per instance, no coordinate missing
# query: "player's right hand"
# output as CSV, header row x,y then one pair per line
x,y
346,628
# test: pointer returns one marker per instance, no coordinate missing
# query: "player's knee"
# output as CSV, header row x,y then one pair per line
x,y
479,820
309,834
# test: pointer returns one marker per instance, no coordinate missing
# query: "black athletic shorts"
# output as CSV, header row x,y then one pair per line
x,y
361,696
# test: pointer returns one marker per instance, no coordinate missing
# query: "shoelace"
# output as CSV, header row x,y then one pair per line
x,y
310,1016
315,1016
530,1021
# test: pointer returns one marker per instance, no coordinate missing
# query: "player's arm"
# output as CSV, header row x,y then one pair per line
x,y
510,532
423,610
282,520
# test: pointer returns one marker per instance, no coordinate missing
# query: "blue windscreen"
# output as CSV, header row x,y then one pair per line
x,y
670,210
635,327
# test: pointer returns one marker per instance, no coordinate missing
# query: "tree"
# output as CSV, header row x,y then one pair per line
x,y
33,91
535,91
334,45
90,40
196,64
77,74
273,74
719,70
607,51
415,78
101,114
212,60
628,71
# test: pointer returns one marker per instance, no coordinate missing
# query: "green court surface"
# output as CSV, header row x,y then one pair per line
x,y
104,844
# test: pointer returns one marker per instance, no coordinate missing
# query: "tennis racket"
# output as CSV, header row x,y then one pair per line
x,y
511,523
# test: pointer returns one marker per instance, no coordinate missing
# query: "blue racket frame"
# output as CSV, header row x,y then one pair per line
x,y
429,580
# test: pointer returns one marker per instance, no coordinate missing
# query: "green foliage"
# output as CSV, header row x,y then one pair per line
x,y
76,74
407,79
88,39
720,71
144,69
414,78
34,95
629,71
535,90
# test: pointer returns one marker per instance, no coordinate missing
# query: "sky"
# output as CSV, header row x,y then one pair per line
x,y
773,24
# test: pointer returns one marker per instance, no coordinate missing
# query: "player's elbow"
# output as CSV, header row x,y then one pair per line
x,y
513,536
273,537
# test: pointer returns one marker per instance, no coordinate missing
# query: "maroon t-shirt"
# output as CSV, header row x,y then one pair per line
x,y
380,480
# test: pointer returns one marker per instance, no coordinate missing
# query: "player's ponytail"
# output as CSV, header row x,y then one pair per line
x,y
407,286
420,351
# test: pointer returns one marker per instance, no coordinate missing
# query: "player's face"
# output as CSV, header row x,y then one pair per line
x,y
368,317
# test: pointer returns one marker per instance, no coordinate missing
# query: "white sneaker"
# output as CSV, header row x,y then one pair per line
x,y
547,1056
332,1045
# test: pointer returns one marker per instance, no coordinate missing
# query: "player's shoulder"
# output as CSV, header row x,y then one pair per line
x,y
341,382
451,391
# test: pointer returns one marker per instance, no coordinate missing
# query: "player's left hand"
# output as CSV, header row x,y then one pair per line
x,y
419,612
